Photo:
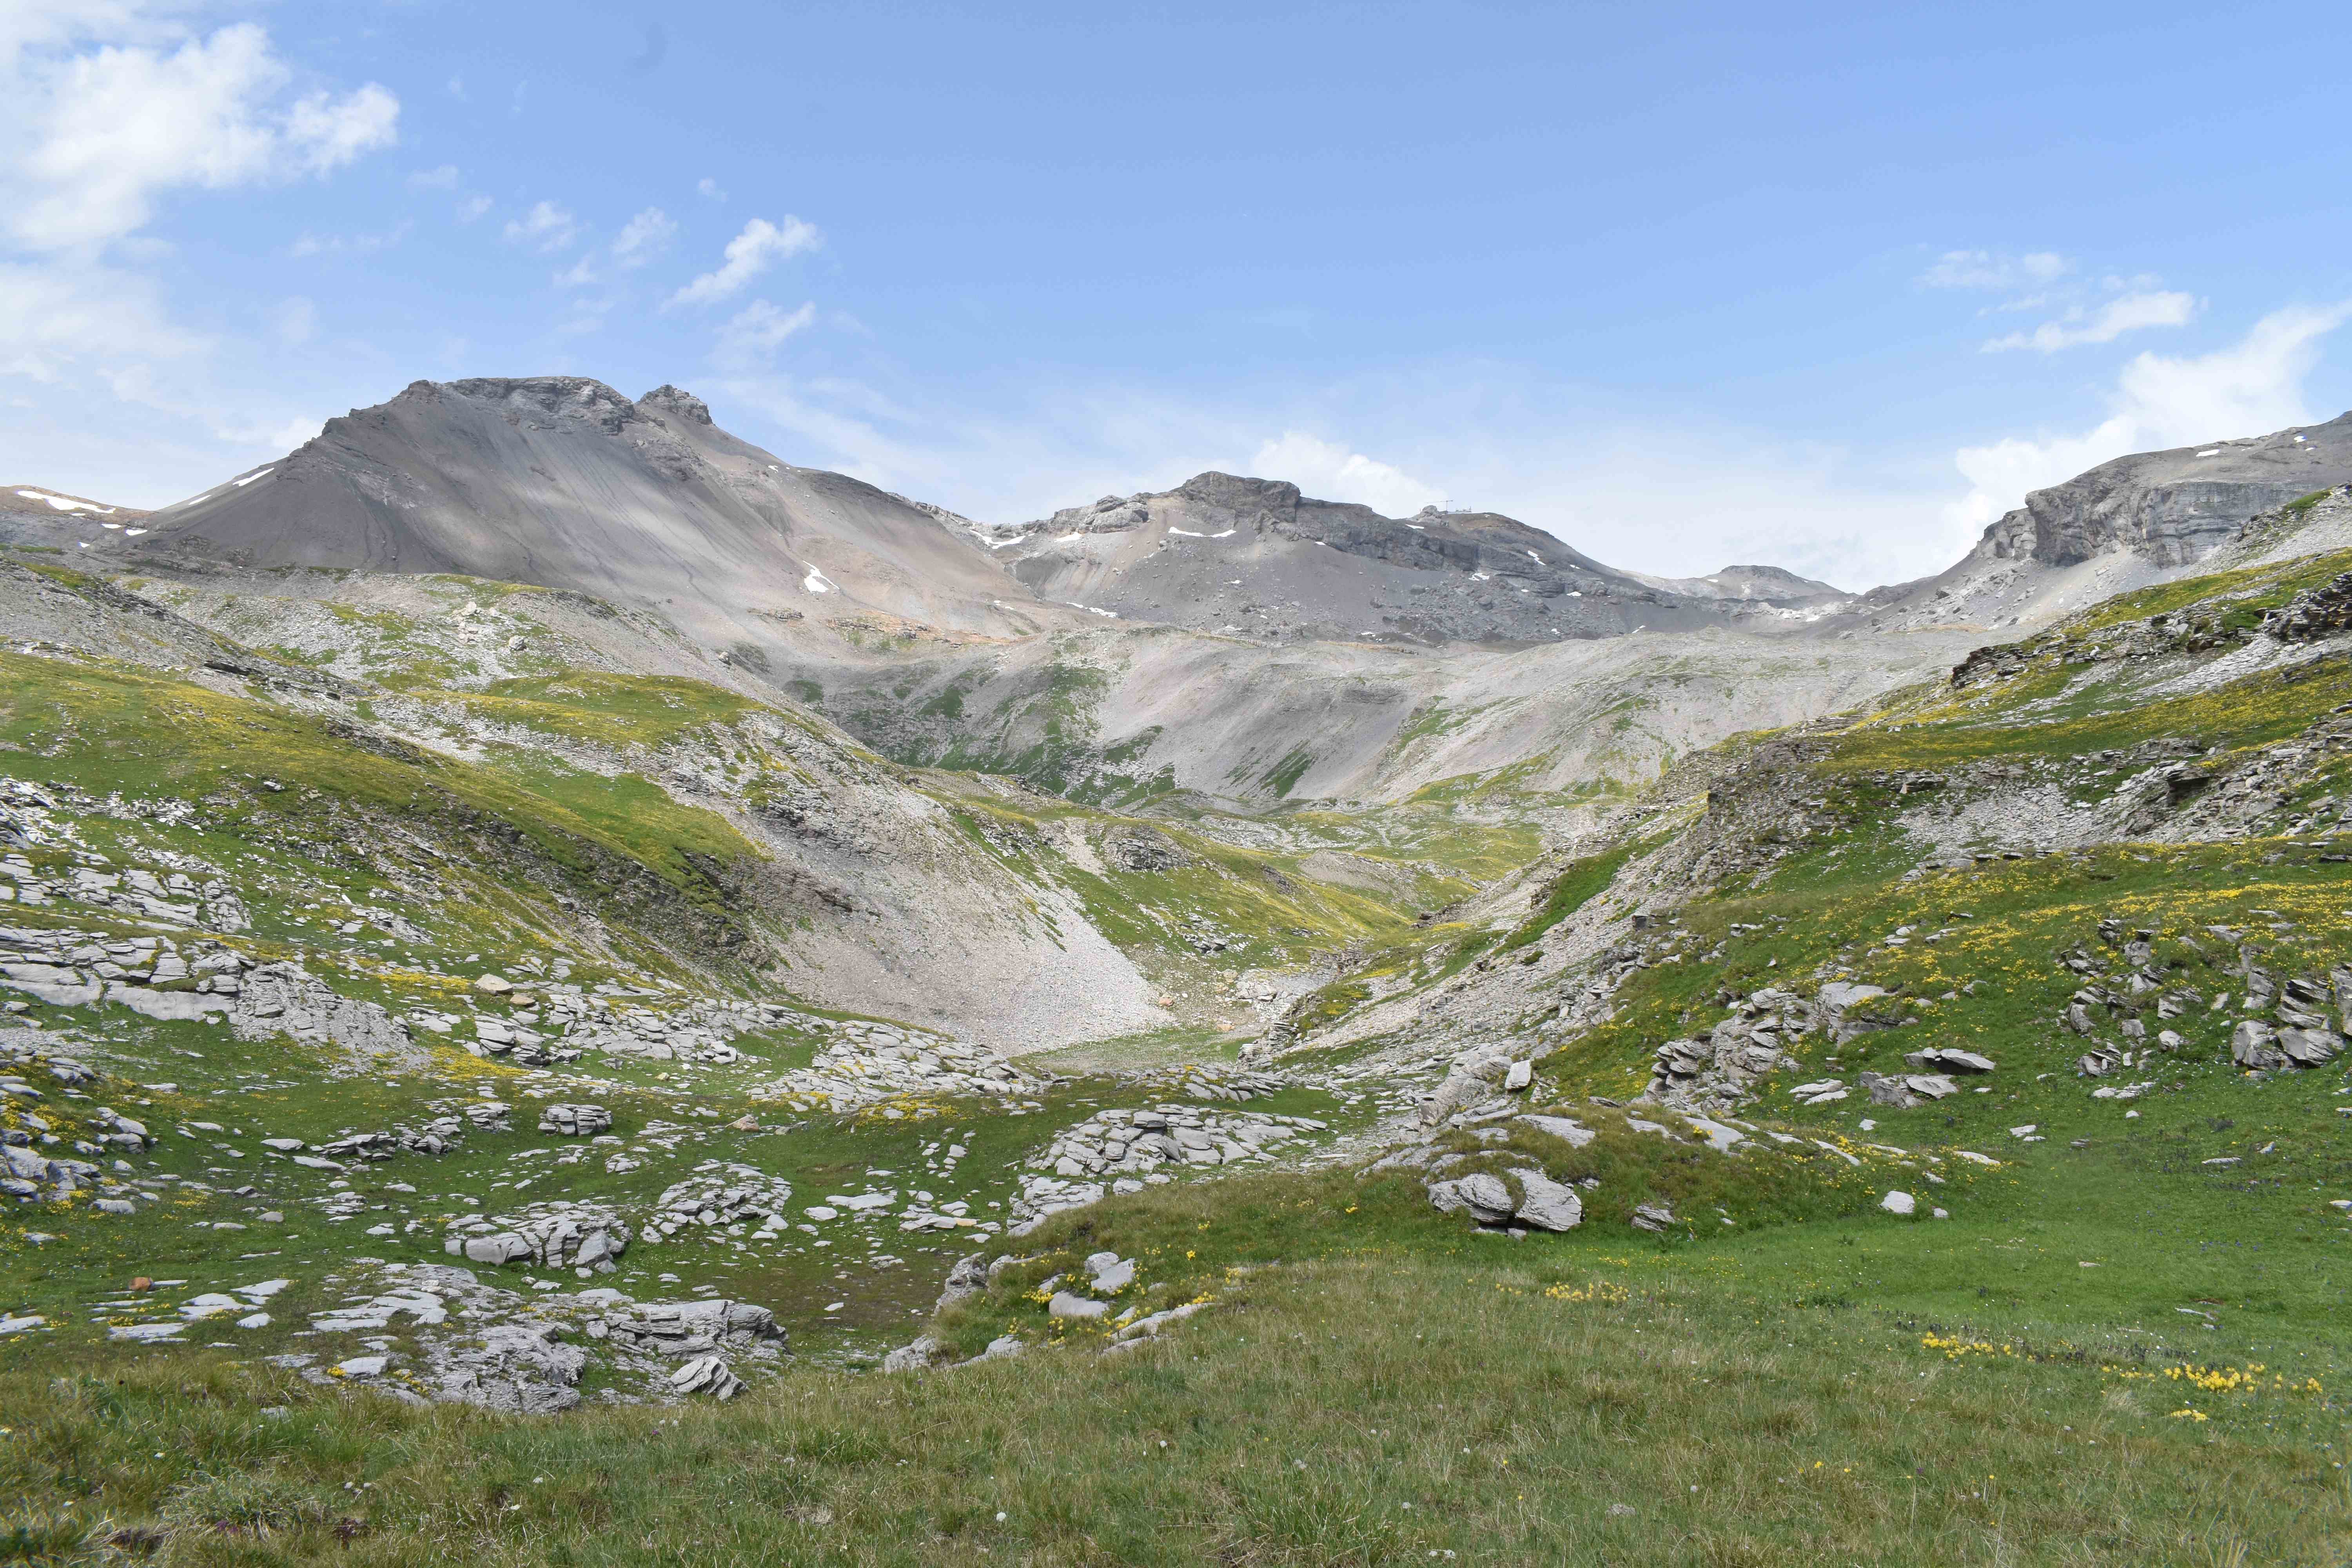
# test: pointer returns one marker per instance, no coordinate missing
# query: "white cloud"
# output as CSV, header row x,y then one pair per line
x,y
644,237
2249,388
325,133
443,178
2000,474
545,227
473,207
295,321
1996,271
1329,472
2252,388
52,315
708,186
754,335
578,275
2105,325
107,131
348,244
760,246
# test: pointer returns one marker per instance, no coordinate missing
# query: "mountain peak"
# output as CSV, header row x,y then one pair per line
x,y
669,399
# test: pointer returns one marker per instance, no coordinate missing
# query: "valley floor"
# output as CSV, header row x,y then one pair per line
x,y
1923,1137
2019,1386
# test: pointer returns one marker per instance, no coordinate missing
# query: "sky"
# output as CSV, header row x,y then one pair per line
x,y
1825,287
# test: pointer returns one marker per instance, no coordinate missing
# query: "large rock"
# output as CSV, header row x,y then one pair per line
x,y
286,999
1545,1203
519,1367
575,1120
2309,1047
2254,1045
967,1279
694,1328
1486,1197
572,1237
708,1375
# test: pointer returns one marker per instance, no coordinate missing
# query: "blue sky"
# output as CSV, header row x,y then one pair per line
x,y
1827,287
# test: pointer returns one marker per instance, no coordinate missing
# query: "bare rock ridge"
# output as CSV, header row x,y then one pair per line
x,y
560,481
47,519
1222,553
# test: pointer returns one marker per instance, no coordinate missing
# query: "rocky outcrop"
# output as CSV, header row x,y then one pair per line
x,y
2175,506
1721,1070
286,999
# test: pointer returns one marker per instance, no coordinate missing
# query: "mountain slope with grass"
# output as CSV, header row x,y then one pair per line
x,y
483,1077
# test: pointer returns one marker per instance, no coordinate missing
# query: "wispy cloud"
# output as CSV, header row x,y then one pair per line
x,y
643,238
295,321
2250,388
545,227
751,337
708,187
2105,325
1993,271
760,246
348,244
443,178
1333,472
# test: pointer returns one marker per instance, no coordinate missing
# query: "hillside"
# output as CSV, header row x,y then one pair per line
x,y
479,1061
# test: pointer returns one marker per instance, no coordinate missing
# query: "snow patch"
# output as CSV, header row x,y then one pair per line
x,y
817,582
1227,535
257,474
66,503
1090,609
1188,534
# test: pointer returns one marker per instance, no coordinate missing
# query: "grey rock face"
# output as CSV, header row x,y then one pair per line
x,y
2174,506
695,1328
519,1367
563,482
286,999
